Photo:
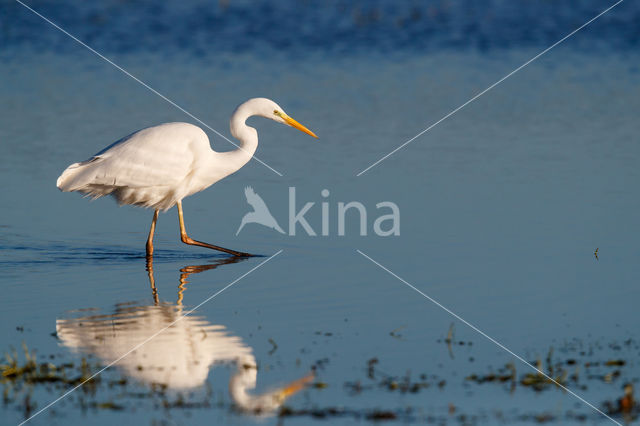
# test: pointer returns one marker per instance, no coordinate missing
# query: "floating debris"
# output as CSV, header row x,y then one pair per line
x,y
338,412
395,332
113,392
371,367
626,405
275,346
381,415
109,405
449,340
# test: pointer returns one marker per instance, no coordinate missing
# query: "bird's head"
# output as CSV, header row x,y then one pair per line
x,y
268,109
267,402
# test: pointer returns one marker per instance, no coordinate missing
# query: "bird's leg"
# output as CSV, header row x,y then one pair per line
x,y
151,231
187,240
152,280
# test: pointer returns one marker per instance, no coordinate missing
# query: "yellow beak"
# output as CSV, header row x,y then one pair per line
x,y
297,385
293,123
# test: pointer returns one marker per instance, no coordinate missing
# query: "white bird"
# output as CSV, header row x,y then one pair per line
x,y
158,166
245,378
260,213
163,345
168,345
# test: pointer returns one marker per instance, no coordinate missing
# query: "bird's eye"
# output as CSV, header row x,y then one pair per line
x,y
276,112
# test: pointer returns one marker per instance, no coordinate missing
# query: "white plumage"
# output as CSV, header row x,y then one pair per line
x,y
173,349
154,167
158,166
165,345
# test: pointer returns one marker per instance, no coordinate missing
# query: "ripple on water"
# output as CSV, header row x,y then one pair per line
x,y
21,256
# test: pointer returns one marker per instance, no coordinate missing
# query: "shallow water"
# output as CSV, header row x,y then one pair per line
x,y
502,207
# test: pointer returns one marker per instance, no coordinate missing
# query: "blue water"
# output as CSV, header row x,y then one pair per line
x,y
335,27
501,206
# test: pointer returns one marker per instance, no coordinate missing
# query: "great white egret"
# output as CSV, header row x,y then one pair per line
x,y
176,354
158,166
174,346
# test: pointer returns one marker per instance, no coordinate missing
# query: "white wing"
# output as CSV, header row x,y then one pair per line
x,y
151,168
156,156
179,357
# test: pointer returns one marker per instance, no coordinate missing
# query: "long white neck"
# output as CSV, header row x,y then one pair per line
x,y
232,161
243,379
248,136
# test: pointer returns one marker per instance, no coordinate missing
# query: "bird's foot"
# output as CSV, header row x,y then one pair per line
x,y
188,240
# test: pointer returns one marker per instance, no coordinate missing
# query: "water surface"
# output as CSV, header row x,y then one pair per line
x,y
502,207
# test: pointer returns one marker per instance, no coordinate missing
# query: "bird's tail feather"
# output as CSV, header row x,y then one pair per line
x,y
66,181
74,178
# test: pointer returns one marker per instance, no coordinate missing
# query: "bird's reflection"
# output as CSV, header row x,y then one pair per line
x,y
181,352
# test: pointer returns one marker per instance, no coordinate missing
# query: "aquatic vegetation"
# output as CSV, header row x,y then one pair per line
x,y
17,374
22,373
626,406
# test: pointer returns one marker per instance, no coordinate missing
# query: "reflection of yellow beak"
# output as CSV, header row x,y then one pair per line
x,y
297,385
293,123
